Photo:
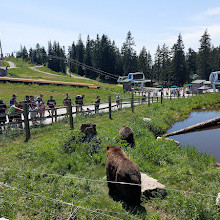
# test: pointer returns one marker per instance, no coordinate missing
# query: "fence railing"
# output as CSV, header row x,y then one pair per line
x,y
24,119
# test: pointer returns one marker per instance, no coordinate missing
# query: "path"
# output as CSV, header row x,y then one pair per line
x,y
35,68
12,65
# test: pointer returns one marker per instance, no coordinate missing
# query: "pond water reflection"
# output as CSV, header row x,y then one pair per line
x,y
207,140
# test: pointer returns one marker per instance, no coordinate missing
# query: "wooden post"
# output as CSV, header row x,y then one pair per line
x,y
157,99
161,100
70,114
120,103
132,101
152,101
110,107
26,121
148,99
55,115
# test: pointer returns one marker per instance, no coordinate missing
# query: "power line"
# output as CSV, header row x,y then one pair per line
x,y
104,181
28,207
86,66
64,203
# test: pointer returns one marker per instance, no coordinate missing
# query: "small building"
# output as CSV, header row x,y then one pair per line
x,y
3,70
197,84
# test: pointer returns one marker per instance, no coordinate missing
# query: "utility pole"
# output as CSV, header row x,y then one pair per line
x,y
2,58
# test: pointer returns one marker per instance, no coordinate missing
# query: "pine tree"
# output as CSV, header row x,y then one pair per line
x,y
191,61
178,63
129,55
145,63
204,67
88,59
165,74
72,56
157,68
80,51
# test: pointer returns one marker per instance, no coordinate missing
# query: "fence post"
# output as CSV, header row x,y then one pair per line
x,y
26,121
132,101
110,107
70,114
148,99
56,115
120,103
161,97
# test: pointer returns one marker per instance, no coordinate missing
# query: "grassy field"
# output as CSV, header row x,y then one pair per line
x,y
57,150
23,71
59,92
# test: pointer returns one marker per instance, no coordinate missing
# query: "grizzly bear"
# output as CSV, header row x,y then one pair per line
x,y
119,168
127,134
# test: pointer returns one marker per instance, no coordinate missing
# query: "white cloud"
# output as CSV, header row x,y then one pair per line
x,y
213,11
192,35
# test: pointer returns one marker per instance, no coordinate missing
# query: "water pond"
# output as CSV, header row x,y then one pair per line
x,y
206,140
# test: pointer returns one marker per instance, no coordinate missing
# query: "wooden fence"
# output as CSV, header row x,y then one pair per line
x,y
24,121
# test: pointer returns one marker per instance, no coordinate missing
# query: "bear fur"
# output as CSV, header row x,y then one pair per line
x,y
127,134
119,168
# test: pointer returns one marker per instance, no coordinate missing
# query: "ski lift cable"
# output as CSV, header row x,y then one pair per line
x,y
87,66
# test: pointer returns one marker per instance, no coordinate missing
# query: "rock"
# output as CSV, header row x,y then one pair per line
x,y
149,183
218,200
146,119
169,139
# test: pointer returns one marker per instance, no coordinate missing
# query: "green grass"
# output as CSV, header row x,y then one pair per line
x,y
23,71
56,149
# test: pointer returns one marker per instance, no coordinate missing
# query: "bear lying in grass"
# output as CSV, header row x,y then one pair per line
x,y
120,168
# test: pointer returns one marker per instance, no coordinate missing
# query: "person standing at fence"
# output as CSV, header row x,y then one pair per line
x,y
40,98
13,100
66,102
2,114
97,103
51,103
33,113
117,100
42,109
79,102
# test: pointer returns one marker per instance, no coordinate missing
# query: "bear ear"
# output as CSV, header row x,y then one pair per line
x,y
108,147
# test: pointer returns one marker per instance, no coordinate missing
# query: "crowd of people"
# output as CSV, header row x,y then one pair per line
x,y
37,107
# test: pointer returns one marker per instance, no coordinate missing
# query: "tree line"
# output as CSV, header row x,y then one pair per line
x,y
169,66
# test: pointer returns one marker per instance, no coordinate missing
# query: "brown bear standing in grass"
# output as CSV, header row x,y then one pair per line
x,y
120,168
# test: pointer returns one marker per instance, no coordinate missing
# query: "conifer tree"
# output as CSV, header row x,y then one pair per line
x,y
204,67
178,63
129,55
88,59
191,61
72,56
80,51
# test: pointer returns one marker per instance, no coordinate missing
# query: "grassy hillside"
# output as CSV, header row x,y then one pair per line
x,y
23,71
57,150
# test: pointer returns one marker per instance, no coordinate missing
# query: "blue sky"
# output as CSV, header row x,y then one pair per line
x,y
151,23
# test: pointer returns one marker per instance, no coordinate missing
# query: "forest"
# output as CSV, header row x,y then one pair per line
x,y
168,66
